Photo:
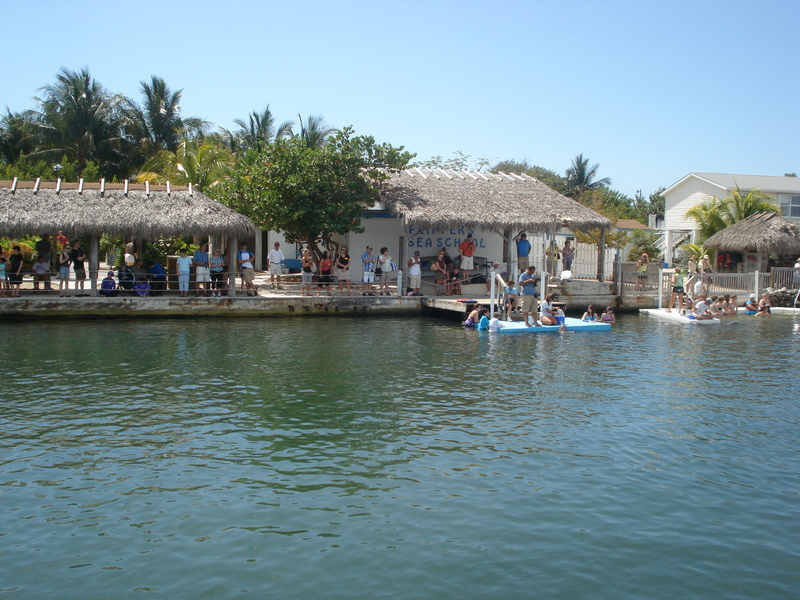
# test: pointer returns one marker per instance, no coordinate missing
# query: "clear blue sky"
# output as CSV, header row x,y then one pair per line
x,y
649,90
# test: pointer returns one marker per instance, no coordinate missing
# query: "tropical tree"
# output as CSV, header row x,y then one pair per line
x,y
258,131
311,193
737,207
203,163
550,178
80,119
714,214
15,136
314,131
156,124
581,177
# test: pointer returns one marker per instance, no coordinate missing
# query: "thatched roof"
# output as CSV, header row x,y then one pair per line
x,y
445,198
131,210
763,232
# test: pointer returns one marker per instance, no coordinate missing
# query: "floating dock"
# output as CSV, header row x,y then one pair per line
x,y
572,325
676,317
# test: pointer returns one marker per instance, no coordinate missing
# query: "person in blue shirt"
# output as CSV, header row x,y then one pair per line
x,y
483,324
158,278
523,251
527,283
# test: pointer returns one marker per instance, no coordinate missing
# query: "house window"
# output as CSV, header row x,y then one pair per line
x,y
790,205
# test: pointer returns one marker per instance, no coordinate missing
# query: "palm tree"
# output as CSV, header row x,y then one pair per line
x,y
79,119
709,218
203,163
315,131
15,136
581,177
259,131
157,124
715,215
737,207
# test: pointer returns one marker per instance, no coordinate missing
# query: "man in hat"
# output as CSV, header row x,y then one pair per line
x,y
702,309
369,271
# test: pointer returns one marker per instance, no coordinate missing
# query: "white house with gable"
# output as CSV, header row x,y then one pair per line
x,y
696,188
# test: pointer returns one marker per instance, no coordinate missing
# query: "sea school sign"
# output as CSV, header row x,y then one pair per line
x,y
489,244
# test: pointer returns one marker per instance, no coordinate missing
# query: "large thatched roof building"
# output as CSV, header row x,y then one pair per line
x,y
764,233
130,210
496,201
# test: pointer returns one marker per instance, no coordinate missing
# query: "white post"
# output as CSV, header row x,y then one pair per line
x,y
756,285
491,293
660,286
400,282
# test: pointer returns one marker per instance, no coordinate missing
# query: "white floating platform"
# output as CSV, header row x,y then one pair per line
x,y
572,325
676,317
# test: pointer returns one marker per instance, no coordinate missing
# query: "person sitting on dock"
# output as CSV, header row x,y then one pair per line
x,y
142,288
547,310
455,283
108,287
701,309
41,272
511,295
751,306
125,277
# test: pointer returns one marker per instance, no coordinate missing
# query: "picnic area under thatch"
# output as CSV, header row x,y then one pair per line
x,y
500,202
765,232
130,210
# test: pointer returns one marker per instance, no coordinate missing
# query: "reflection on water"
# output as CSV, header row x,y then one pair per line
x,y
405,458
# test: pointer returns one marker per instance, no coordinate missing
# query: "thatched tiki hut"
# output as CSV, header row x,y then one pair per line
x,y
763,233
134,211
505,203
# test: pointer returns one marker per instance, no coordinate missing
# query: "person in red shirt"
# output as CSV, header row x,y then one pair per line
x,y
467,250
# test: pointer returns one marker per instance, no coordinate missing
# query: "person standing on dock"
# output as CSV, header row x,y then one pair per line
x,y
276,258
527,281
467,250
202,274
414,274
523,251
368,277
245,261
343,269
63,262
567,253
641,272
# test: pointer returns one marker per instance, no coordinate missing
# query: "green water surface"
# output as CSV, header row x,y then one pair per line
x,y
399,458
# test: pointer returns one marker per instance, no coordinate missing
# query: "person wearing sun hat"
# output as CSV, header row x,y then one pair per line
x,y
751,306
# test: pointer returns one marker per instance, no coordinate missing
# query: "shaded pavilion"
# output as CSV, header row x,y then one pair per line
x,y
134,211
499,202
764,233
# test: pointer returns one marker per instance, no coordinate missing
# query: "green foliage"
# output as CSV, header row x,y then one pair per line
x,y
641,207
644,241
697,250
459,162
202,163
714,215
581,177
550,178
307,192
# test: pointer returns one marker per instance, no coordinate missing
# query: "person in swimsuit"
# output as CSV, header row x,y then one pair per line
x,y
751,307
764,306
608,316
589,315
474,316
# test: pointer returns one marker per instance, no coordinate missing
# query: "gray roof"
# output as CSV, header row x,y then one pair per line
x,y
500,201
134,210
765,183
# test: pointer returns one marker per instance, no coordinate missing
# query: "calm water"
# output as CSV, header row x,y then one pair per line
x,y
338,458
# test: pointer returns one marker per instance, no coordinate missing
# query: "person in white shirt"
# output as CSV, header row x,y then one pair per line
x,y
276,258
701,309
495,325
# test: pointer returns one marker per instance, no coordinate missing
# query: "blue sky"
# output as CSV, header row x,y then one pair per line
x,y
649,90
